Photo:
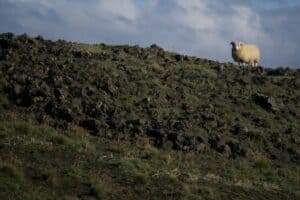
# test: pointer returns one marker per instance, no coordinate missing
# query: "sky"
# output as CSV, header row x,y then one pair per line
x,y
202,28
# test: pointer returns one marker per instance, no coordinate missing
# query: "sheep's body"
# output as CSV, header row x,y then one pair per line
x,y
245,53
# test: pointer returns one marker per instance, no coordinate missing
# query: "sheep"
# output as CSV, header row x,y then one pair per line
x,y
245,53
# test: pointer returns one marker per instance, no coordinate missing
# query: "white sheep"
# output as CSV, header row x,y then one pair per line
x,y
245,53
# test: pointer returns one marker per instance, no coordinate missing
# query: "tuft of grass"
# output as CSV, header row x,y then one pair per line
x,y
23,128
2,83
150,152
69,197
73,139
4,102
134,171
262,163
59,139
11,180
11,171
98,191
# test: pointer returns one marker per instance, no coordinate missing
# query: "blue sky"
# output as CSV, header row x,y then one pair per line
x,y
202,28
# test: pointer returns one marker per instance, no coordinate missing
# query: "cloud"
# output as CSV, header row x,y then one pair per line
x,y
202,28
121,8
195,15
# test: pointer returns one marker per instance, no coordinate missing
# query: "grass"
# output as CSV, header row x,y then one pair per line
x,y
98,190
171,174
132,171
150,152
28,134
262,163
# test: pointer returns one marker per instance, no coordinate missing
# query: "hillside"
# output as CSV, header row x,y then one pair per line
x,y
83,121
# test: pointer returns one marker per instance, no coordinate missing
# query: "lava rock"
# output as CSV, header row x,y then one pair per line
x,y
94,126
238,129
266,102
237,149
200,148
178,57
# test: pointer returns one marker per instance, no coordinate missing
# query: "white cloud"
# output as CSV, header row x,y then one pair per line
x,y
120,8
239,22
245,24
195,15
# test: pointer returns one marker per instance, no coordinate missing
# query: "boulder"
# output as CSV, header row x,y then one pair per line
x,y
266,102
93,126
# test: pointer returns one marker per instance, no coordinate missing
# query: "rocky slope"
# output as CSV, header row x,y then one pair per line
x,y
146,98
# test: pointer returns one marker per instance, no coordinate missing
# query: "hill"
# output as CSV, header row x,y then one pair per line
x,y
83,121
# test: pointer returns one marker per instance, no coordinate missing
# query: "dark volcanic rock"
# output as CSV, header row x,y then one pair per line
x,y
280,72
62,112
94,126
266,102
177,101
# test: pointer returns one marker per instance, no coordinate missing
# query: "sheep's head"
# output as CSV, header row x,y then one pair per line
x,y
234,46
240,44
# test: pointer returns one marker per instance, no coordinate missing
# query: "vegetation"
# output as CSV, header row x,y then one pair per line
x,y
82,121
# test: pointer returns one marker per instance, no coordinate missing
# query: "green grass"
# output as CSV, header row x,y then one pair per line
x,y
117,165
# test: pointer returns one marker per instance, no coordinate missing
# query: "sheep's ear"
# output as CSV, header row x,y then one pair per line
x,y
233,44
